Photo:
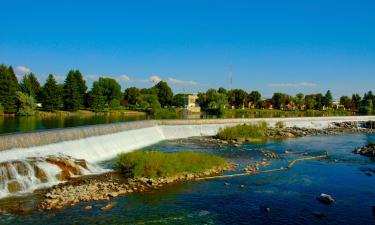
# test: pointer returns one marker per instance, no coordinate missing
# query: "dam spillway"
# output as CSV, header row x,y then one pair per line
x,y
97,143
25,158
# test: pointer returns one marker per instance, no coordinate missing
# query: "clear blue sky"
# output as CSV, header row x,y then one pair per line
x,y
287,46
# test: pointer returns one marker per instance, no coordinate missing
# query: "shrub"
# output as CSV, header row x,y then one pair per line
x,y
26,104
256,130
155,164
279,124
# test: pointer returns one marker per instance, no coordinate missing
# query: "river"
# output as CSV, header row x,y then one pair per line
x,y
290,195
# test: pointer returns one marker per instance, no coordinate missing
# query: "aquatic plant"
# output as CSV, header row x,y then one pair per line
x,y
256,130
154,164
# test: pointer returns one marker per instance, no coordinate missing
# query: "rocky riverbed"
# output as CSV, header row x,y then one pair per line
x,y
110,185
295,132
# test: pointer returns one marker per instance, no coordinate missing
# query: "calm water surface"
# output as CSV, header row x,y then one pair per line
x,y
290,194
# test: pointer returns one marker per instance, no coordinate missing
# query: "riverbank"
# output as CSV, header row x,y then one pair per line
x,y
111,185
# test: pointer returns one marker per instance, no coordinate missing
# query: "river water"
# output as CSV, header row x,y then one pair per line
x,y
290,195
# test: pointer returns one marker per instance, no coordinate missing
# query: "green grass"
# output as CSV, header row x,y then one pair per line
x,y
256,130
154,164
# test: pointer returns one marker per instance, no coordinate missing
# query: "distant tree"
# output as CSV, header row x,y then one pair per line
x,y
26,104
328,99
346,102
131,95
255,98
8,89
237,97
319,101
367,106
222,90
310,101
97,98
31,86
299,99
164,93
74,91
356,102
111,91
179,100
149,103
280,100
51,95
212,101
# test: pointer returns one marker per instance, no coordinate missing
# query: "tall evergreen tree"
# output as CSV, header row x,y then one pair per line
x,y
97,97
8,89
31,86
328,99
74,91
51,95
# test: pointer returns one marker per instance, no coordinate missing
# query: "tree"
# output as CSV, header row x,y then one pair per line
x,y
164,93
310,101
51,95
149,103
179,100
222,90
319,101
111,91
367,106
280,100
255,98
356,102
237,98
97,97
212,101
31,86
299,99
131,95
328,100
74,91
8,89
346,102
26,104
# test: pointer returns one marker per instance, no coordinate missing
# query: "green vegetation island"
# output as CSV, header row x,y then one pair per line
x,y
28,97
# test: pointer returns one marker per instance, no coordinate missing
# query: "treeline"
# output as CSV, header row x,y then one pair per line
x,y
216,101
22,97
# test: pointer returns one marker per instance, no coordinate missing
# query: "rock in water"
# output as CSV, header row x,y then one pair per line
x,y
325,198
109,206
318,214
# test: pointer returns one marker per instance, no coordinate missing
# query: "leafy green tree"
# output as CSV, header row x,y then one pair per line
x,y
356,102
26,104
212,101
31,86
310,101
111,91
164,93
149,103
8,89
237,97
222,90
131,95
319,101
180,100
255,98
280,100
367,106
74,91
328,99
346,102
98,98
51,95
299,99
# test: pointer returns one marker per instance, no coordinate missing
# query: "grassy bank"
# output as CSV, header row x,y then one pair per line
x,y
256,130
153,164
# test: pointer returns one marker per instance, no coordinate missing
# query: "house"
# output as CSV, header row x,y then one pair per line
x,y
192,104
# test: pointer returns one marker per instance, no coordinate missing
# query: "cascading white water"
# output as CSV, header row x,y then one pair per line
x,y
118,138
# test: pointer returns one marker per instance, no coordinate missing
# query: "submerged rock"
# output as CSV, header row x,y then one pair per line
x,y
367,150
325,198
318,214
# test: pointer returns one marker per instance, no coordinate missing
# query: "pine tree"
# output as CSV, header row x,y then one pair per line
x,y
98,99
72,92
51,96
328,99
31,86
8,89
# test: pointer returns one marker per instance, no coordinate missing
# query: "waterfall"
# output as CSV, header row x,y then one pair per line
x,y
34,160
